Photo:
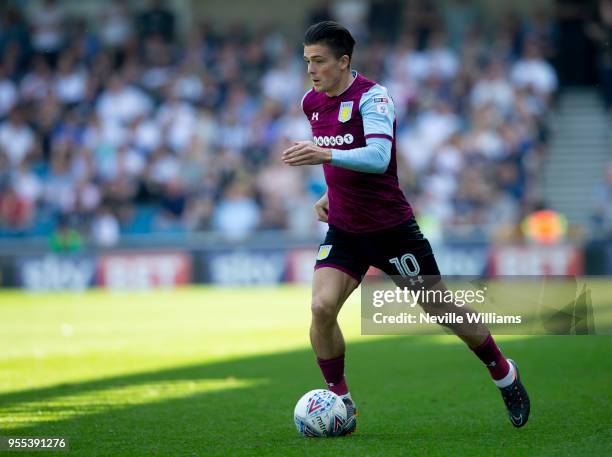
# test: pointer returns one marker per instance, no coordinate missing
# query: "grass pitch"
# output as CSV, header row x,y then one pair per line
x,y
216,372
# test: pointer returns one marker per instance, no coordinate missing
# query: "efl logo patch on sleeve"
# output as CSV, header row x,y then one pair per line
x,y
381,105
381,108
324,251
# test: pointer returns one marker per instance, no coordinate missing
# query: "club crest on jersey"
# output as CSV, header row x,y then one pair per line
x,y
324,251
346,110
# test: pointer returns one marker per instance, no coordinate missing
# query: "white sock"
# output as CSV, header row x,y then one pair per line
x,y
346,395
508,379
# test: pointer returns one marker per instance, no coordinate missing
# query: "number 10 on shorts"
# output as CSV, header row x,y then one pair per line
x,y
406,265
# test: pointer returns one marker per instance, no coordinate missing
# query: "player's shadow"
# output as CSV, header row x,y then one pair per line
x,y
401,384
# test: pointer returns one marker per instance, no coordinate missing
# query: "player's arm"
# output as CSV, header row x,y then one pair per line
x,y
372,158
378,114
322,208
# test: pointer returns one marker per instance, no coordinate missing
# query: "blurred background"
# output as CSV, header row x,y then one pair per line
x,y
140,140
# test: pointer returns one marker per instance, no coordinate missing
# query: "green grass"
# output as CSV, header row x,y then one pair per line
x,y
203,372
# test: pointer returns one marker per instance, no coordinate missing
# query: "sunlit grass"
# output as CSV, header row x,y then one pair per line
x,y
65,407
203,371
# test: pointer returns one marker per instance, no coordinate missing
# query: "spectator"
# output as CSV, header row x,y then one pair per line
x,y
66,239
493,88
122,103
105,228
283,83
443,62
237,214
116,120
115,25
16,137
534,72
8,93
36,84
70,82
173,203
15,209
27,185
48,27
177,119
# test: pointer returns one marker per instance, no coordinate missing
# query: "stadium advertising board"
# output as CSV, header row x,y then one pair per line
x,y
536,261
56,272
144,270
244,267
455,259
300,265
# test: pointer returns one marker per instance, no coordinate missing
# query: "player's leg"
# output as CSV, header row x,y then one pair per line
x,y
330,289
473,334
338,271
503,371
408,243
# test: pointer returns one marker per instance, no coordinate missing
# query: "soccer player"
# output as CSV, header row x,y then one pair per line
x,y
370,221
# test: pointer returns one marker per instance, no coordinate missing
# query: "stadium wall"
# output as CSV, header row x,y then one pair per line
x,y
288,16
250,264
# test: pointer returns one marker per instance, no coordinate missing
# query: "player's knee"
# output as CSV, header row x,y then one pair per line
x,y
323,311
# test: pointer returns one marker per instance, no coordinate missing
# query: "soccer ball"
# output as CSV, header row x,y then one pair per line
x,y
320,413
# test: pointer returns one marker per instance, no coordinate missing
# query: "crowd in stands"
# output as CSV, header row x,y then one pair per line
x,y
126,126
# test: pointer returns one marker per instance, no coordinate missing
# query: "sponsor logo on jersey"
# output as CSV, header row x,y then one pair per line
x,y
324,251
315,116
337,140
381,100
346,110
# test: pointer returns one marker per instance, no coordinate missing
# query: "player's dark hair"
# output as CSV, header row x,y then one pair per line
x,y
333,35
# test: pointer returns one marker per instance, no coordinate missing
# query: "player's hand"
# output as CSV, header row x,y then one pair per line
x,y
306,153
322,208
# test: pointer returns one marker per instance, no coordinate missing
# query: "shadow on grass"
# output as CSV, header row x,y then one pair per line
x,y
412,392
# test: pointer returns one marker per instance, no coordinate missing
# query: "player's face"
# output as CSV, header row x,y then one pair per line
x,y
324,69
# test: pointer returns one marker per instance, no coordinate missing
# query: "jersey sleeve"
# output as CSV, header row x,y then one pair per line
x,y
378,113
372,158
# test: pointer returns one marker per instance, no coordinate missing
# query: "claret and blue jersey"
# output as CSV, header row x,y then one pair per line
x,y
358,202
